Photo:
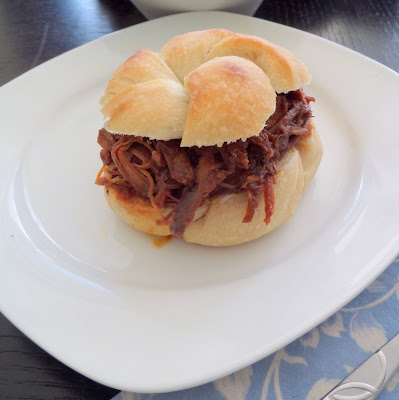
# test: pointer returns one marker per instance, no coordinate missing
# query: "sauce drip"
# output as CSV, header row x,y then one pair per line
x,y
160,241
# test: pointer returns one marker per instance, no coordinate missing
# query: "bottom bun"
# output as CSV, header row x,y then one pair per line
x,y
219,222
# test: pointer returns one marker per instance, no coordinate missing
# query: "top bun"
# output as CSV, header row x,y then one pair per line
x,y
206,87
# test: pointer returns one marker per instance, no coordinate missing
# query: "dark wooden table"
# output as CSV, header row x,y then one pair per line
x,y
33,31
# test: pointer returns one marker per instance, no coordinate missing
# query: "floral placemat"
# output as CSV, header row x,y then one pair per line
x,y
309,367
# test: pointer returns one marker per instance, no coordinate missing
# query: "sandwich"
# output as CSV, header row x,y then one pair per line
x,y
210,140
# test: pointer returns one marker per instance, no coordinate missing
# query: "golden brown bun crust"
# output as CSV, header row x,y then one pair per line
x,y
184,53
284,70
143,66
219,223
248,93
130,113
138,213
204,79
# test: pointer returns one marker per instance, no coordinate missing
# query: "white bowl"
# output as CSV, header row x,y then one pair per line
x,y
158,8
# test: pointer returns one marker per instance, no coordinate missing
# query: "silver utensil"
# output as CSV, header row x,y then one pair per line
x,y
370,378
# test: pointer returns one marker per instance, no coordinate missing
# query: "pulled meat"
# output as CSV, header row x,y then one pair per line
x,y
183,178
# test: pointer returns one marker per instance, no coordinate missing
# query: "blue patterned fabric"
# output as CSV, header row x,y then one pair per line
x,y
309,367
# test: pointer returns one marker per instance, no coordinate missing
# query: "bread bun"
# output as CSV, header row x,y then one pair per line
x,y
219,222
131,113
225,84
184,53
143,66
206,87
139,213
284,70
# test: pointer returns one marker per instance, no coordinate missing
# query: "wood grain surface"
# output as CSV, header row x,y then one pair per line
x,y
33,31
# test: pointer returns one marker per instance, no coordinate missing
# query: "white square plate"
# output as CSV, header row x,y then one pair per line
x,y
101,298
